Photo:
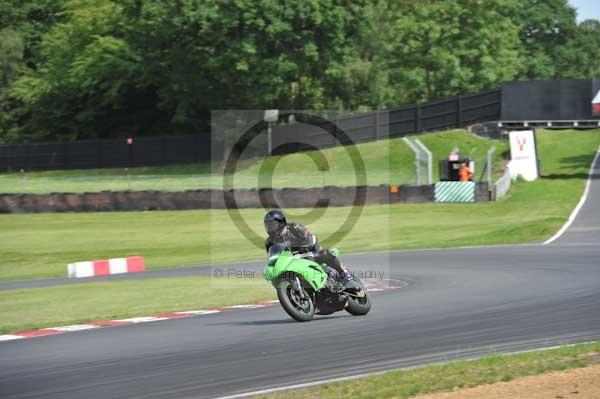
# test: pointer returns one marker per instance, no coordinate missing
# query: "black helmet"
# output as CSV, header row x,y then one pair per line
x,y
274,222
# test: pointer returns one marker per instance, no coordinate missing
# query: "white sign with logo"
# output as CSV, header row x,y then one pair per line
x,y
523,154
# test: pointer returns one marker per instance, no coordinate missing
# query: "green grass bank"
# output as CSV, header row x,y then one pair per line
x,y
41,245
460,374
79,303
386,161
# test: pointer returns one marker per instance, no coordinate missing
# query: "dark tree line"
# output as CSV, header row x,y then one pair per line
x,y
73,69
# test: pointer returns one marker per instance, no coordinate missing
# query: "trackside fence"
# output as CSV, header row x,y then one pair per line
x,y
449,113
106,153
361,127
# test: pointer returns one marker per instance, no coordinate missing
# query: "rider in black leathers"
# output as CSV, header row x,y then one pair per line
x,y
298,238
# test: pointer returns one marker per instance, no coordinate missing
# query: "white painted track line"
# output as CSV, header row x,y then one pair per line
x,y
579,205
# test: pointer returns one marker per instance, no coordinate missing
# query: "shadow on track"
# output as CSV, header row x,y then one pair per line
x,y
273,322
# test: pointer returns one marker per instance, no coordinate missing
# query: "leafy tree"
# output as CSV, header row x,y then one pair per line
x,y
31,20
580,57
11,57
545,27
75,69
445,47
363,76
22,24
136,66
11,61
90,84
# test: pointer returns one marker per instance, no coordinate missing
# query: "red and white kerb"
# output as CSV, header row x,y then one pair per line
x,y
105,267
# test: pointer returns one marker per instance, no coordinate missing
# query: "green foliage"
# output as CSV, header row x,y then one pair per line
x,y
31,19
445,47
580,57
86,79
107,68
546,27
11,56
11,61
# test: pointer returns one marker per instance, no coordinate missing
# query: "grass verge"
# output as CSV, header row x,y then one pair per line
x,y
386,161
40,245
80,303
456,375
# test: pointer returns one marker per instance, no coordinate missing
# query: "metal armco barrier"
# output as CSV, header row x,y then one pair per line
x,y
503,184
454,191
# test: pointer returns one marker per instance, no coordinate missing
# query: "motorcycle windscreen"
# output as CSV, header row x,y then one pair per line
x,y
274,251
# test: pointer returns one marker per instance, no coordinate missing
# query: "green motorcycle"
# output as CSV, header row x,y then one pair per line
x,y
306,288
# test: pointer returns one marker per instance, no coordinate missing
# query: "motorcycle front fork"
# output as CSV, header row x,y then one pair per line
x,y
298,287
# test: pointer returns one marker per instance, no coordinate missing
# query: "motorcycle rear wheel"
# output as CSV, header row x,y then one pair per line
x,y
359,306
299,309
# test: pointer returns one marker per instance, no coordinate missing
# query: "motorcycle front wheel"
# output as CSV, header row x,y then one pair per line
x,y
299,305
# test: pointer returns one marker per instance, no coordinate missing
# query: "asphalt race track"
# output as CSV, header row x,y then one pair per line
x,y
459,303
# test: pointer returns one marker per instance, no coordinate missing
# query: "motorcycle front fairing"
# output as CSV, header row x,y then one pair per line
x,y
281,261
